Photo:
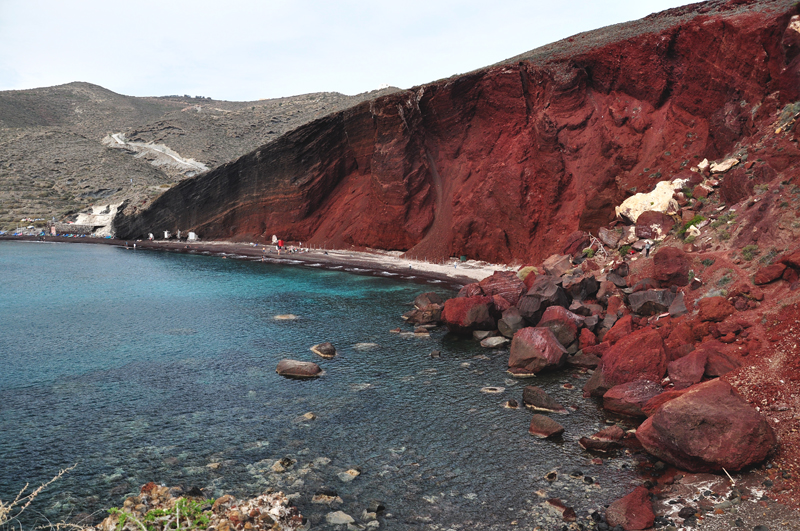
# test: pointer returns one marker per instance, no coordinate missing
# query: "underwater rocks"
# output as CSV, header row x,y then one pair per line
x,y
298,369
324,350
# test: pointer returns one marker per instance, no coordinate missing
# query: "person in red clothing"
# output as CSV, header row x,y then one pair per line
x,y
280,246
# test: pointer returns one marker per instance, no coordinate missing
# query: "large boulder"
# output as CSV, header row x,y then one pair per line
x,y
707,429
533,350
659,200
545,292
622,328
298,369
557,264
505,284
423,300
628,398
462,315
638,356
633,512
562,322
470,290
671,267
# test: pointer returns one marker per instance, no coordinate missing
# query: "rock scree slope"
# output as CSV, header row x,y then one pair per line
x,y
503,163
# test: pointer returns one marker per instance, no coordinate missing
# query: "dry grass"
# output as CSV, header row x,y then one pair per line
x,y
10,511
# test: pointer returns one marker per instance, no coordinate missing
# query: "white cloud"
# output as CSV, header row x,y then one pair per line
x,y
244,50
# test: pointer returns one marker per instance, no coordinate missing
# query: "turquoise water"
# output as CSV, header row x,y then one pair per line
x,y
143,366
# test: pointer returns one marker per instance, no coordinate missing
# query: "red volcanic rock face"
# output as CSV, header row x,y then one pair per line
x,y
709,428
505,163
638,356
462,315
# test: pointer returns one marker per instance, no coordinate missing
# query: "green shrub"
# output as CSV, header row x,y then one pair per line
x,y
750,251
694,221
624,250
708,262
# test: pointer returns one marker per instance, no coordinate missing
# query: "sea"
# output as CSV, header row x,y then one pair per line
x,y
138,366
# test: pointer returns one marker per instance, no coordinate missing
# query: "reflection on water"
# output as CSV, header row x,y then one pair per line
x,y
141,366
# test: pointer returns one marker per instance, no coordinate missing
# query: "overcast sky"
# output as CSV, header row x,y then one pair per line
x,y
251,49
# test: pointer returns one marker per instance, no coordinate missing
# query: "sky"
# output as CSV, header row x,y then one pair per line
x,y
244,50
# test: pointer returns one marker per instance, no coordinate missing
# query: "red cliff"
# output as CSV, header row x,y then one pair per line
x,y
504,163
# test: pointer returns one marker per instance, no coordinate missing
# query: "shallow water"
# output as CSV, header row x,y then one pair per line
x,y
143,366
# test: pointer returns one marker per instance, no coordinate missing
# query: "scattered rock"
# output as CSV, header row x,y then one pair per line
x,y
298,369
339,518
622,328
632,512
678,306
605,440
768,274
725,165
326,350
348,475
558,507
544,427
671,267
653,225
583,360
715,309
537,399
494,342
708,428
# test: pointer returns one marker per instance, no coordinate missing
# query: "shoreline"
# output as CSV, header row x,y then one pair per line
x,y
388,264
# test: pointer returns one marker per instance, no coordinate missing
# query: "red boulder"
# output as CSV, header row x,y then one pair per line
x,y
621,329
653,225
562,322
462,315
628,398
638,356
533,350
587,338
715,309
688,370
671,267
470,290
709,428
506,284
768,274
633,512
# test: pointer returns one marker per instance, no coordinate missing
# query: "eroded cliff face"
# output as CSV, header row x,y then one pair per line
x,y
504,163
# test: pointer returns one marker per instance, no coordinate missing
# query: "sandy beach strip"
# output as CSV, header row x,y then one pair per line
x,y
454,273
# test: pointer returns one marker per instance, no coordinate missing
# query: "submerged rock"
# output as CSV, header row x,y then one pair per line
x,y
298,369
325,350
537,399
544,427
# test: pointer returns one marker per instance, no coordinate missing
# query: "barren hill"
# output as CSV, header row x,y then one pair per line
x,y
53,158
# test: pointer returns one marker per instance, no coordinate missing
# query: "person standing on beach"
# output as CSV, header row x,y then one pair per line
x,y
280,246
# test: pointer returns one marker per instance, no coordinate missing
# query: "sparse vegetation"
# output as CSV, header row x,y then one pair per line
x,y
724,236
694,221
708,262
588,252
724,219
624,250
750,251
726,279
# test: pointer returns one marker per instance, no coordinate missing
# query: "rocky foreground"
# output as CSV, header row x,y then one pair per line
x,y
687,317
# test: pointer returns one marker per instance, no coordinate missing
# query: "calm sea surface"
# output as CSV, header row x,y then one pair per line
x,y
143,366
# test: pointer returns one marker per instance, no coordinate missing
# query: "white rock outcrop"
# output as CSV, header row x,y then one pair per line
x,y
659,200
